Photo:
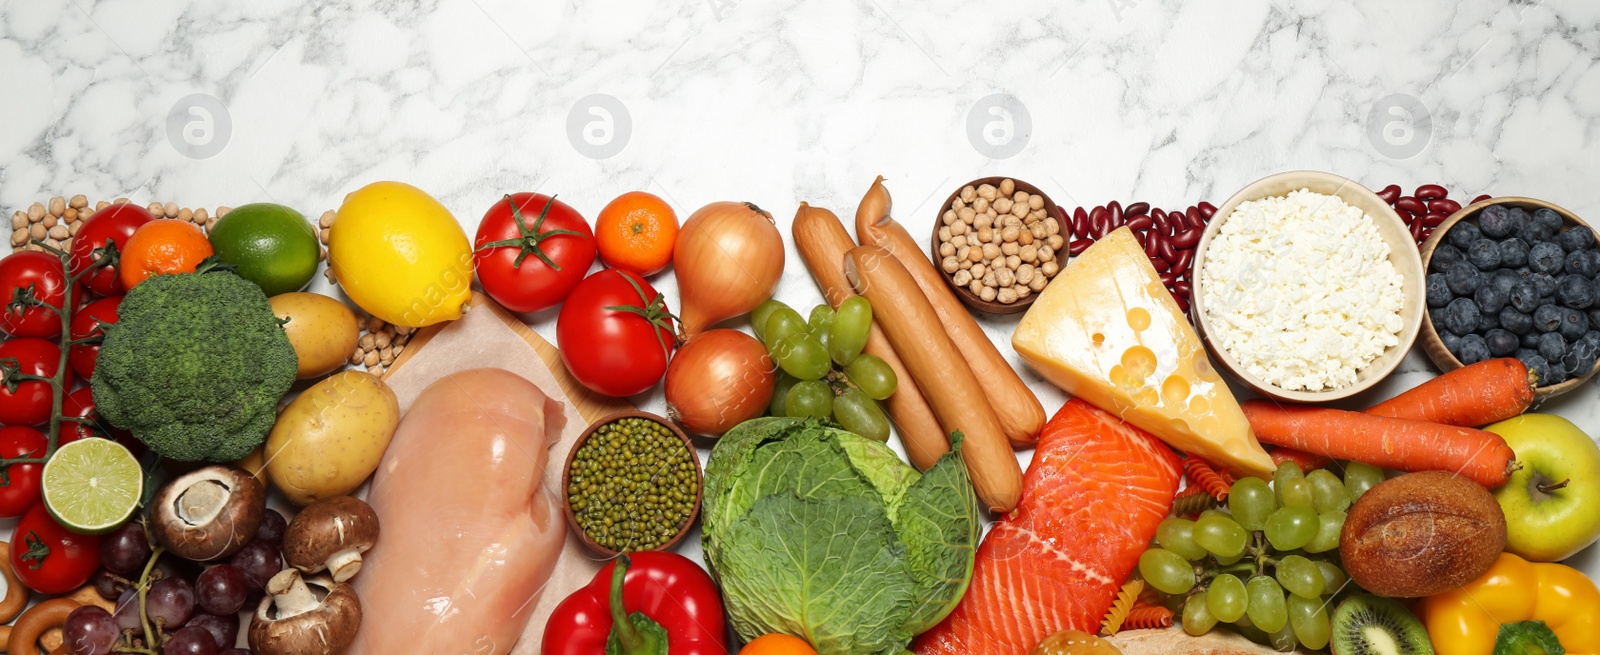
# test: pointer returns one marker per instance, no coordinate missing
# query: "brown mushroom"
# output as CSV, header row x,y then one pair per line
x,y
209,513
291,620
331,535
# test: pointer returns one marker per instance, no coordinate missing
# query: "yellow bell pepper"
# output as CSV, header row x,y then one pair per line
x,y
1466,621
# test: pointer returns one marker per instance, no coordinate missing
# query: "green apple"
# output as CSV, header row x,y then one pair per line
x,y
1552,503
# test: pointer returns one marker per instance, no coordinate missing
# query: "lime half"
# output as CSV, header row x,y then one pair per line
x,y
91,486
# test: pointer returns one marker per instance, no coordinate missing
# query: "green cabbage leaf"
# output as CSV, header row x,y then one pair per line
x,y
827,535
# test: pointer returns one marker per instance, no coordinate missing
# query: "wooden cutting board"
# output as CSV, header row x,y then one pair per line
x,y
490,336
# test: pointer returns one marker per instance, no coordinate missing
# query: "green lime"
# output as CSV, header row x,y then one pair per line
x,y
271,245
92,485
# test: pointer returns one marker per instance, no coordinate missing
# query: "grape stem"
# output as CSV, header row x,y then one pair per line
x,y
153,638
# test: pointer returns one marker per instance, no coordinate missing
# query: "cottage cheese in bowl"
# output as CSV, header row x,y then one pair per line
x,y
1300,291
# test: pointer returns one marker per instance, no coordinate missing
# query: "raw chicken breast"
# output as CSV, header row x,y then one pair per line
x,y
470,534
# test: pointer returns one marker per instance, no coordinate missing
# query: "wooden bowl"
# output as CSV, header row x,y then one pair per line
x,y
968,298
1432,345
566,478
1402,253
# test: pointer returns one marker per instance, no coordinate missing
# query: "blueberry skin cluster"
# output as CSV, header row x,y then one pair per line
x,y
1518,284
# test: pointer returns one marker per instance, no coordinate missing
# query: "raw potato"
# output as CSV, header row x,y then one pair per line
x,y
331,438
322,330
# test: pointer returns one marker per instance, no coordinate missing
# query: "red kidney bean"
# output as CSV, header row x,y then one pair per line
x,y
1208,210
1444,206
1161,264
1138,209
1150,241
1187,239
1427,232
1165,250
1432,219
1077,247
1115,209
1180,288
1185,258
1416,230
1412,205
1079,222
1169,279
1195,218
1098,218
1141,223
1162,226
1390,193
1481,198
1431,191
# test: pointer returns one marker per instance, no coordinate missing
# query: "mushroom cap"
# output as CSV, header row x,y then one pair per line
x,y
326,528
209,513
328,628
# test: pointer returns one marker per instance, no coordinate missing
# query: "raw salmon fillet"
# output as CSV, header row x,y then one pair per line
x,y
469,533
1091,501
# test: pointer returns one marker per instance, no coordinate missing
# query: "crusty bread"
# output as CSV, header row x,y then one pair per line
x,y
1174,641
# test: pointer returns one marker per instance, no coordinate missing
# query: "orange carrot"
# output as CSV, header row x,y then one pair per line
x,y
1307,461
1395,443
1483,393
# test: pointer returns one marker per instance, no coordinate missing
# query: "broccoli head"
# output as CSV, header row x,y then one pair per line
x,y
194,366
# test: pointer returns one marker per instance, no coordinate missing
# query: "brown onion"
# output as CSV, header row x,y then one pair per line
x,y
718,380
727,260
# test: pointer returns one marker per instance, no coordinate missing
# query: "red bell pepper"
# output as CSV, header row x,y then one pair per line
x,y
676,610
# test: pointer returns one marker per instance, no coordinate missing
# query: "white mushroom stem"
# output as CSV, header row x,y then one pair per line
x,y
290,595
345,564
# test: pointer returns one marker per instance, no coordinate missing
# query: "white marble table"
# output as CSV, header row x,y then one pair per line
x,y
224,103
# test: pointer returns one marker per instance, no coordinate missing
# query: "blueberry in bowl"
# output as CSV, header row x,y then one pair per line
x,y
1514,277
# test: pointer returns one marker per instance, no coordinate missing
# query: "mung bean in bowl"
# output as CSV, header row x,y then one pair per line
x,y
631,483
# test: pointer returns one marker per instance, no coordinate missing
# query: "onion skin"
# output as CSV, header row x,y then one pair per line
x,y
718,380
727,260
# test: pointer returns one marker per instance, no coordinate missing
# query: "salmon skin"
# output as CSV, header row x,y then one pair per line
x,y
1091,501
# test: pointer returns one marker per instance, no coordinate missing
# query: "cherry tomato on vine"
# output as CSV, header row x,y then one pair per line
x,y
80,403
86,323
116,223
50,559
42,275
32,401
19,483
531,251
615,333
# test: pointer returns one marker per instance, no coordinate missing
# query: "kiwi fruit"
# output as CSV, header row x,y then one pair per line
x,y
1369,625
1421,534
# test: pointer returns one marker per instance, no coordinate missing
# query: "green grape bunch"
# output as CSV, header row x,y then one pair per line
x,y
1268,566
821,369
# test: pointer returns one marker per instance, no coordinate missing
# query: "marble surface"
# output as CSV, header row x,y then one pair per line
x,y
224,103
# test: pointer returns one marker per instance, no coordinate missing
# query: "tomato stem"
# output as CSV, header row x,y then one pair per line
x,y
654,311
531,238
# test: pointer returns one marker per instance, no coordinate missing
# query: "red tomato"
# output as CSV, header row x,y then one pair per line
x,y
50,559
116,223
42,272
19,486
535,264
32,402
80,403
611,351
86,323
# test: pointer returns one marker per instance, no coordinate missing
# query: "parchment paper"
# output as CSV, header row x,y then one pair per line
x,y
481,340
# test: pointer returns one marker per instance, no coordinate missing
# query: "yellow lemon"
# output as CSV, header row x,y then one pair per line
x,y
400,255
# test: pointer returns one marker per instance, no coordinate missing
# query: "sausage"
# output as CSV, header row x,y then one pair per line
x,y
945,378
1021,416
823,242
24,638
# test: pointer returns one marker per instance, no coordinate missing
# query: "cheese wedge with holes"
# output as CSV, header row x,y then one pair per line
x,y
1106,330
